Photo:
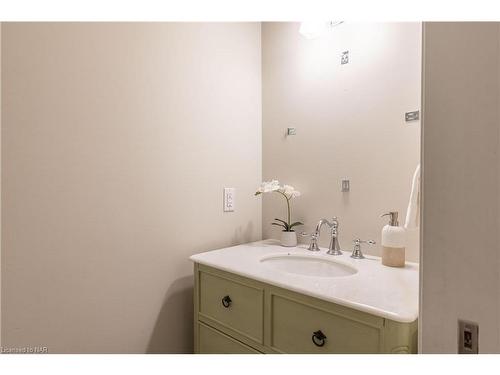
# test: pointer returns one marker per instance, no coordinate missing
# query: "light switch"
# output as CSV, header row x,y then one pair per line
x,y
229,199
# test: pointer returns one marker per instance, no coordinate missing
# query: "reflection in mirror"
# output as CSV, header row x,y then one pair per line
x,y
347,92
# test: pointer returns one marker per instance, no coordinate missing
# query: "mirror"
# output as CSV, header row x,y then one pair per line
x,y
345,94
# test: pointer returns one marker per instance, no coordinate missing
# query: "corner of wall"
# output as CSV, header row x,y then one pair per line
x,y
0,183
422,198
498,208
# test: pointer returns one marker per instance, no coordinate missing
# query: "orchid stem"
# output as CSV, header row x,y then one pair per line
x,y
288,207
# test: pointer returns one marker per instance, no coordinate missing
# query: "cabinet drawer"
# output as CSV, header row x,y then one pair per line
x,y
231,304
212,341
294,323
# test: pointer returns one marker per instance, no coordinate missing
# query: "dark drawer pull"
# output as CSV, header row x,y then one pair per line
x,y
226,302
318,338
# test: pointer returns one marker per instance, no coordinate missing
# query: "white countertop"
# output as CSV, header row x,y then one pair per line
x,y
376,289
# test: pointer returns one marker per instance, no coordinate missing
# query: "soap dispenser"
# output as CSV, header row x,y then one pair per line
x,y
393,242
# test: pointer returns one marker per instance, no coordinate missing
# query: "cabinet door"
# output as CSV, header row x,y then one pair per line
x,y
231,304
212,341
299,327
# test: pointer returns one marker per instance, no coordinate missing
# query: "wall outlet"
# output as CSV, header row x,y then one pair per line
x,y
412,116
344,58
229,199
468,337
345,185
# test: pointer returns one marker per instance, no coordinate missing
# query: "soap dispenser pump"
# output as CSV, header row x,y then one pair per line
x,y
393,242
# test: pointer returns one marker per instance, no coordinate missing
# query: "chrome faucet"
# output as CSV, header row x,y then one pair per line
x,y
334,248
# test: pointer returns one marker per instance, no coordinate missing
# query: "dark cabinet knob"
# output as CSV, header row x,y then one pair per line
x,y
318,338
226,302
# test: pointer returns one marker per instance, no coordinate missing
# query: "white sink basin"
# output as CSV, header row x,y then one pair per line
x,y
308,265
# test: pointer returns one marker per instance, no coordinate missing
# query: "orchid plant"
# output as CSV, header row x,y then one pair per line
x,y
288,192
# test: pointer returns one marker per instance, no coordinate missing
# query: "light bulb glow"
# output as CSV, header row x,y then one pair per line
x,y
316,29
312,30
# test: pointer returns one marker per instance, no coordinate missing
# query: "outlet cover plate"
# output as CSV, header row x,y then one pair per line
x,y
344,58
412,116
229,199
468,337
345,185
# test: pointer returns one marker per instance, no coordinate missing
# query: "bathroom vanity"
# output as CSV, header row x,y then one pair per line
x,y
264,298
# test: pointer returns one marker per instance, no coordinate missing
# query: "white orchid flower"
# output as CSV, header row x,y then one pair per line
x,y
288,192
288,189
269,186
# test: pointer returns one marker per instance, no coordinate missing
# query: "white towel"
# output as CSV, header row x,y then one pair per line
x,y
413,211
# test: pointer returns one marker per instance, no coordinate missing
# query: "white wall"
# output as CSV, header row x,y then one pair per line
x,y
460,262
117,142
349,121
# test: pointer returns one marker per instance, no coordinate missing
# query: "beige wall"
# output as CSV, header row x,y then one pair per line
x,y
0,183
498,199
460,258
117,142
349,121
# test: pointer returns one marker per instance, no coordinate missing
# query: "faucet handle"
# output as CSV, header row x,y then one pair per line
x,y
313,236
356,252
358,242
313,246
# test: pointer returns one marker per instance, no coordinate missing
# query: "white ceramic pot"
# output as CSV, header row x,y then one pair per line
x,y
288,239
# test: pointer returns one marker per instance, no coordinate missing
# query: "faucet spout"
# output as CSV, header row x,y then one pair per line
x,y
334,248
320,224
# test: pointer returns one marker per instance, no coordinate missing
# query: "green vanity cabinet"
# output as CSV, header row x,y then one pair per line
x,y
212,341
239,315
